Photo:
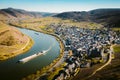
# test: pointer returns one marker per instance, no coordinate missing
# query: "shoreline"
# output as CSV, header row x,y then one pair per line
x,y
46,68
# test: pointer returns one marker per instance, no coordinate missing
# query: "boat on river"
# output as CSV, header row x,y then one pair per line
x,y
24,60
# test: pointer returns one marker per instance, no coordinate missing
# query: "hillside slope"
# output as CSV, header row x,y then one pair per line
x,y
12,42
108,17
78,16
11,13
16,13
112,71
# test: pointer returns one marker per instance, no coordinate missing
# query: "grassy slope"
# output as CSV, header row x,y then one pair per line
x,y
40,22
111,72
12,42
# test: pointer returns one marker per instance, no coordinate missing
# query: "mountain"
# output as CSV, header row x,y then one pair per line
x,y
108,17
79,16
19,13
16,13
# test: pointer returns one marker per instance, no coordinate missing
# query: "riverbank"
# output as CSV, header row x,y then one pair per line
x,y
47,68
13,43
23,49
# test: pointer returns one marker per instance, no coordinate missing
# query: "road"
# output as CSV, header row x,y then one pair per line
x,y
62,59
57,64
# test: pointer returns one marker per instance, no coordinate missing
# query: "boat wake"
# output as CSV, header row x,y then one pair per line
x,y
49,48
44,52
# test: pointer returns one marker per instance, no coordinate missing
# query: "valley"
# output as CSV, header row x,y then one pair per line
x,y
85,39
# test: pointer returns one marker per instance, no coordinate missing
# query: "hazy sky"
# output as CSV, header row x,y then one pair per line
x,y
59,5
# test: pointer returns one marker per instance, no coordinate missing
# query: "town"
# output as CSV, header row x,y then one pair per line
x,y
84,48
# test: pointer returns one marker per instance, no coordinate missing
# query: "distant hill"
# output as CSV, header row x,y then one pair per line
x,y
109,17
78,16
19,13
44,14
16,13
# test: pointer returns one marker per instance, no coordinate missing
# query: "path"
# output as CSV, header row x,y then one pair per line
x,y
28,41
108,62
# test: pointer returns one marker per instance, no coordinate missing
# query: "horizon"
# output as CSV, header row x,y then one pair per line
x,y
56,6
56,12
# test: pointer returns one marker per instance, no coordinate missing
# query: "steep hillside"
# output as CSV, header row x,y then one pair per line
x,y
11,13
78,16
108,17
112,71
15,13
12,42
10,36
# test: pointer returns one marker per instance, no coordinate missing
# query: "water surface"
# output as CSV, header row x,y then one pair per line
x,y
10,70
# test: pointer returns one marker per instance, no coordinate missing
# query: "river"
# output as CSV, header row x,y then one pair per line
x,y
11,70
